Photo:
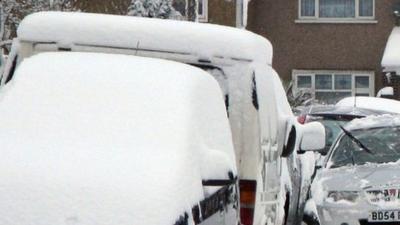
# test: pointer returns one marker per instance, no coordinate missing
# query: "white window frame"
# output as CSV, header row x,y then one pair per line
x,y
370,91
203,17
317,19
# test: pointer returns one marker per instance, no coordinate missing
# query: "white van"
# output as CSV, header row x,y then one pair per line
x,y
94,138
263,127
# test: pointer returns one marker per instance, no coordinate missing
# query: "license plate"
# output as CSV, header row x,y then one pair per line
x,y
384,216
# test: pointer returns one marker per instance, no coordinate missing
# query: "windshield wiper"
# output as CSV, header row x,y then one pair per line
x,y
355,140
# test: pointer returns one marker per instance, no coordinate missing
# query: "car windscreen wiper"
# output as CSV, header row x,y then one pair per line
x,y
355,140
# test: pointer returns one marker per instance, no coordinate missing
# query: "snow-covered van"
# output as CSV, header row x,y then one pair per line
x,y
103,139
264,131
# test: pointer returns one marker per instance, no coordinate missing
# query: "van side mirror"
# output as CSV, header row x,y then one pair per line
x,y
313,137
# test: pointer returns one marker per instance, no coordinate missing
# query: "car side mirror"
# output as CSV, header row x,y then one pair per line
x,y
313,137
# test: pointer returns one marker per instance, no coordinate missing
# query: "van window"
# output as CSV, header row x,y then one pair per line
x,y
254,93
12,69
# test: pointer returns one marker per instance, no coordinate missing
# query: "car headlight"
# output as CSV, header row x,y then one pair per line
x,y
350,196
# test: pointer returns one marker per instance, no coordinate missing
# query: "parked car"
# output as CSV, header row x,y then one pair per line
x,y
332,117
264,131
360,179
96,138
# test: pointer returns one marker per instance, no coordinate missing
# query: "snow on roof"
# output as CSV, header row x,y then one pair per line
x,y
373,122
372,103
107,139
204,40
332,110
391,57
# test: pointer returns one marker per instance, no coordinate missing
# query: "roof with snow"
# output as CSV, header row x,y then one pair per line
x,y
205,40
391,57
102,138
374,122
372,103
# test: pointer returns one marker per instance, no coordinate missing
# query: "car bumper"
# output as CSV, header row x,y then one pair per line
x,y
348,214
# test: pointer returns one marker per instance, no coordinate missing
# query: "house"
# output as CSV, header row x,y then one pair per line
x,y
328,48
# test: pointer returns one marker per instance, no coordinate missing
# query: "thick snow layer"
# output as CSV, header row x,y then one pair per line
x,y
380,104
391,57
313,136
386,91
373,121
108,139
205,40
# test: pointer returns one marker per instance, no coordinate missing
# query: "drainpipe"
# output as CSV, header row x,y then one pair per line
x,y
239,13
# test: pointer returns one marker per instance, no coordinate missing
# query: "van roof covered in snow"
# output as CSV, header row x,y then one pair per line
x,y
391,57
204,40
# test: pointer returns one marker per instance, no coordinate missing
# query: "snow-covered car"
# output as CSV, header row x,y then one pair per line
x,y
372,103
360,180
264,131
92,138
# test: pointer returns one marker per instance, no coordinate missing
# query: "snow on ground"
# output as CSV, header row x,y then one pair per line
x,y
69,28
107,139
391,56
380,104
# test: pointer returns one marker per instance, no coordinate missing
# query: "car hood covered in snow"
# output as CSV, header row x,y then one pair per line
x,y
108,139
361,177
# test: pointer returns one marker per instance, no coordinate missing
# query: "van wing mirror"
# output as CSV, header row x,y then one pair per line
x,y
313,137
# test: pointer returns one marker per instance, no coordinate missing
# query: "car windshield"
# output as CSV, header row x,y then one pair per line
x,y
383,142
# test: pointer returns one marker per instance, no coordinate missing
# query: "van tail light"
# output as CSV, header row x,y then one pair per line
x,y
247,200
302,119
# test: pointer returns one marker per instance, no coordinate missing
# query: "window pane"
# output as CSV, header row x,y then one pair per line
x,y
367,8
307,7
337,8
342,82
323,81
330,97
362,94
304,81
362,82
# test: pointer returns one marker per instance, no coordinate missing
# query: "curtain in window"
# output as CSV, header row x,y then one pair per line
x,y
307,7
337,8
366,8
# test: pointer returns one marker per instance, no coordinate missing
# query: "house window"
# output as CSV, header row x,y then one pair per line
x,y
182,7
339,10
203,10
328,87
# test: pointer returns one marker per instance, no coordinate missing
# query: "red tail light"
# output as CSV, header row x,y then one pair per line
x,y
247,200
302,119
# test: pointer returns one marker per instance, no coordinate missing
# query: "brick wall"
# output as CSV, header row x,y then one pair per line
x,y
321,46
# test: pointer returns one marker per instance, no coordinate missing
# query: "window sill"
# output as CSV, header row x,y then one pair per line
x,y
337,21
